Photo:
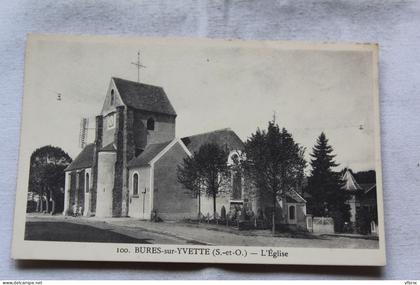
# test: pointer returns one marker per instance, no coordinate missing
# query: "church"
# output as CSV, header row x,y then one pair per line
x,y
131,168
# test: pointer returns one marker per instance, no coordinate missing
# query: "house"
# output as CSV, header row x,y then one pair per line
x,y
131,168
362,195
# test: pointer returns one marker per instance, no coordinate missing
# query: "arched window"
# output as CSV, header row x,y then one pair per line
x,y
151,124
292,214
135,184
87,183
112,97
236,186
110,120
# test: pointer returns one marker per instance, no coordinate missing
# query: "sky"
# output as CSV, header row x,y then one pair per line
x,y
211,84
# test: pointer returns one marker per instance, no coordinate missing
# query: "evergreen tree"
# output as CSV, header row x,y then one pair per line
x,y
325,185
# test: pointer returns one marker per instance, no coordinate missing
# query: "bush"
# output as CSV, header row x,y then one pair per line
x,y
155,217
223,213
30,206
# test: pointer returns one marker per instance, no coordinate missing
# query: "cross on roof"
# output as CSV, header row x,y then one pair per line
x,y
138,65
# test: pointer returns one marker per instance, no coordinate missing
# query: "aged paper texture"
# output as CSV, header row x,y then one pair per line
x,y
212,151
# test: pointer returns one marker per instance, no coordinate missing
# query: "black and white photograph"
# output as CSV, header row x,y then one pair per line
x,y
176,147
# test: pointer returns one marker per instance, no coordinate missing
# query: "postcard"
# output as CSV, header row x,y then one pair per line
x,y
199,150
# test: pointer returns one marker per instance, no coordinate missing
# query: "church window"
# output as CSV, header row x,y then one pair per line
x,y
87,183
151,124
135,184
292,214
236,186
235,158
112,97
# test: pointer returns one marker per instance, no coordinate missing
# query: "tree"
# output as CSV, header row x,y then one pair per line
x,y
325,185
188,175
46,176
206,169
274,163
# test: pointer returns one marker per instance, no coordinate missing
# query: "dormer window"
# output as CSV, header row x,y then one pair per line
x,y
112,97
151,124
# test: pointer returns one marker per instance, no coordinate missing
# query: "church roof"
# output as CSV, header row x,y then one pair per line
x,y
144,97
83,160
224,138
148,154
109,147
350,182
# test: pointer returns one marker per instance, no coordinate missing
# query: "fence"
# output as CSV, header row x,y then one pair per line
x,y
320,224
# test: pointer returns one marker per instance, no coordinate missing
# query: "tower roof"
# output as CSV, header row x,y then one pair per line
x,y
350,182
144,97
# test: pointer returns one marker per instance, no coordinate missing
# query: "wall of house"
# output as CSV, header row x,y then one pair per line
x,y
170,199
300,215
139,205
106,171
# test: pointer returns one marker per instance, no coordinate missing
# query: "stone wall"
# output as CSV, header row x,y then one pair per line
x,y
164,128
119,163
129,150
97,147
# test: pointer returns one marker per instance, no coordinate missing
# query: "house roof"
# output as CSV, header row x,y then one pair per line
x,y
144,97
148,154
368,187
350,182
83,160
294,197
224,138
